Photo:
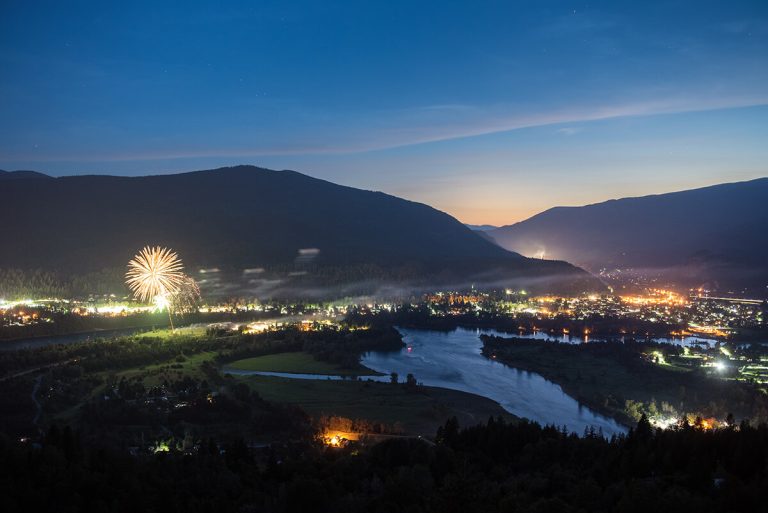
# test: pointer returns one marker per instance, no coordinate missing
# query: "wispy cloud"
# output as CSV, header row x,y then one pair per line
x,y
419,125
569,130
497,119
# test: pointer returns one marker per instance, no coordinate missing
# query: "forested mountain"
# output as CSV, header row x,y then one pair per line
x,y
713,237
243,219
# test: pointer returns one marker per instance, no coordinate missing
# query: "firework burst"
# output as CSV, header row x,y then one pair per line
x,y
154,272
186,298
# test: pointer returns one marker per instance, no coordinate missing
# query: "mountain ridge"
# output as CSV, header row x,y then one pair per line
x,y
22,175
244,217
710,235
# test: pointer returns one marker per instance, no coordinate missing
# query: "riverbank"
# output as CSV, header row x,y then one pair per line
x,y
617,381
453,360
417,411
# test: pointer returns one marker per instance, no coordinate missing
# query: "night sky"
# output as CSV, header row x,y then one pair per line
x,y
491,111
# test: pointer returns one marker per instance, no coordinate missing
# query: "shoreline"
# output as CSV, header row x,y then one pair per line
x,y
431,407
567,387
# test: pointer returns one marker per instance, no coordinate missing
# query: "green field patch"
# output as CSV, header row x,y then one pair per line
x,y
156,374
419,411
297,363
167,333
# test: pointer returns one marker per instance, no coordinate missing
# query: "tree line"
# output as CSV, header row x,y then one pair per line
x,y
492,467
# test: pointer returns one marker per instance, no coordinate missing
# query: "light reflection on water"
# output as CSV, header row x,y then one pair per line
x,y
576,339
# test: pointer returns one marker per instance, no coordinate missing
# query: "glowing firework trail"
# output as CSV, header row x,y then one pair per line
x,y
154,272
186,298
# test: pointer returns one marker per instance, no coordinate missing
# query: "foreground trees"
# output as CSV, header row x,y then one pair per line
x,y
492,467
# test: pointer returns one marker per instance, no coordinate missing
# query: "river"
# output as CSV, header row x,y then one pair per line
x,y
443,359
453,360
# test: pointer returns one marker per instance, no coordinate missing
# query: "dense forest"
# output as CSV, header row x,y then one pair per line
x,y
495,467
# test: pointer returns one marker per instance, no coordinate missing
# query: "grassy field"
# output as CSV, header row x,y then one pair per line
x,y
298,362
165,333
155,374
418,412
151,376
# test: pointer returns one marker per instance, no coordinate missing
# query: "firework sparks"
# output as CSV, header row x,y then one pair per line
x,y
186,298
154,272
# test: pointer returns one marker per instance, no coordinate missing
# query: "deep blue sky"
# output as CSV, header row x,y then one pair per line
x,y
491,111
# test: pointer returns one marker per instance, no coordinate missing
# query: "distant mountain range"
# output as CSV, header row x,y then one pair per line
x,y
481,227
715,237
18,175
245,222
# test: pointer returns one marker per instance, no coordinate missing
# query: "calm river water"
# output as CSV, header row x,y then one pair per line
x,y
453,360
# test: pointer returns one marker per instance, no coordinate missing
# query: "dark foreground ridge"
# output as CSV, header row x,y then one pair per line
x,y
496,467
